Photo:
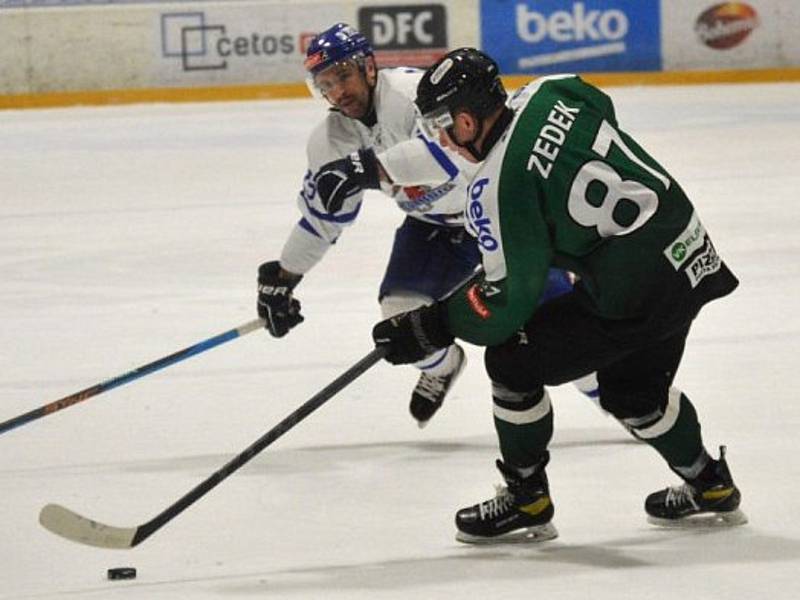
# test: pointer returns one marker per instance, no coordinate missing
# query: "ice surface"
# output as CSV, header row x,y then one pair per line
x,y
127,233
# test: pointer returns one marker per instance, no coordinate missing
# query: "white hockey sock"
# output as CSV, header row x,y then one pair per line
x,y
588,385
439,363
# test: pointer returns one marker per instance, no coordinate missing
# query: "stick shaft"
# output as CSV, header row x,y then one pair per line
x,y
131,375
146,530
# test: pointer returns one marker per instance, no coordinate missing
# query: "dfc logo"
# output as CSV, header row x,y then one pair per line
x,y
201,46
413,35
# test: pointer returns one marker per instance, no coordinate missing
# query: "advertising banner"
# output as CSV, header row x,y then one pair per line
x,y
234,44
407,35
709,34
130,44
557,36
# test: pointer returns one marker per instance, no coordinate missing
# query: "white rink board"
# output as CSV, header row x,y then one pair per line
x,y
188,44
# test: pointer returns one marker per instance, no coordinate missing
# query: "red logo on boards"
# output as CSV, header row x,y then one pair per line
x,y
726,25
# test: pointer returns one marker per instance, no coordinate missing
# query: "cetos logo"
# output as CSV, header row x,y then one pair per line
x,y
201,46
726,25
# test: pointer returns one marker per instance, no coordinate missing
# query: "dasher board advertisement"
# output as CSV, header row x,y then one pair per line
x,y
557,36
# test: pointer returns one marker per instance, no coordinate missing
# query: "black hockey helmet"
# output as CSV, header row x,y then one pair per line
x,y
465,79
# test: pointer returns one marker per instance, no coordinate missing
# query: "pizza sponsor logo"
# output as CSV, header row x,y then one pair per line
x,y
703,264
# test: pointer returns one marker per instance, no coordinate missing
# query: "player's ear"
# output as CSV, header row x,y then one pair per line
x,y
371,71
467,126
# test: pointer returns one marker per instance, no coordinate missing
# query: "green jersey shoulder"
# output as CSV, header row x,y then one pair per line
x,y
565,187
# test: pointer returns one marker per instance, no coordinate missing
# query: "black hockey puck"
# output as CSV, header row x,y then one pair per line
x,y
122,573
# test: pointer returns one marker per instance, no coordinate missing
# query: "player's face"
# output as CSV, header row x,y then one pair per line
x,y
345,85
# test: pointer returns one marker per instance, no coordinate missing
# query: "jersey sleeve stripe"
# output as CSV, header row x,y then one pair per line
x,y
441,158
308,227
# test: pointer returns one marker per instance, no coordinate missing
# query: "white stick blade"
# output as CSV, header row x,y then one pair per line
x,y
74,527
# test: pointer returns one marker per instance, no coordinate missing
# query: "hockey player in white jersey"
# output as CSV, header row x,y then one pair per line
x,y
369,140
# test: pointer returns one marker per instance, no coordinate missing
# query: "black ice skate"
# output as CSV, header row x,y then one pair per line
x,y
520,512
429,394
712,499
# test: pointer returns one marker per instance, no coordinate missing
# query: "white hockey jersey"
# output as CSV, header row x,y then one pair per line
x,y
429,182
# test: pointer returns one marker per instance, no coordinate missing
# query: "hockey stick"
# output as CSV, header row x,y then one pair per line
x,y
72,526
131,375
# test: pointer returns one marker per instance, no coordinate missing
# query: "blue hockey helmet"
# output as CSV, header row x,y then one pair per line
x,y
336,44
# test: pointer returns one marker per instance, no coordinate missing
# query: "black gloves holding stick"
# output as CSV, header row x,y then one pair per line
x,y
408,337
276,305
411,336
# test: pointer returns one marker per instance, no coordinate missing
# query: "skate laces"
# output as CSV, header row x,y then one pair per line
x,y
498,505
431,386
681,495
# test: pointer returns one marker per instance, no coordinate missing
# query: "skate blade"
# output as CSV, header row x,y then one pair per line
x,y
529,535
705,520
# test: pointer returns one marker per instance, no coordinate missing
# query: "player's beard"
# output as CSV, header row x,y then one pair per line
x,y
354,106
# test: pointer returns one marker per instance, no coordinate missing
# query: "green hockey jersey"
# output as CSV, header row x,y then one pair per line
x,y
564,187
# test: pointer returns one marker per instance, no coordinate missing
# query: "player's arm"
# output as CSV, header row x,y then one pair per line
x,y
488,310
516,256
417,161
308,242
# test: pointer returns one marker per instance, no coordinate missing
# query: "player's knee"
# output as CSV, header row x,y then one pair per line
x,y
506,367
629,402
650,422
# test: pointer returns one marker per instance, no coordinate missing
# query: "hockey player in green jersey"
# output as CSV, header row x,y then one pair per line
x,y
561,185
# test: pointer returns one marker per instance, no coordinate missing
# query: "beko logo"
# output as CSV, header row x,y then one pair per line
x,y
602,31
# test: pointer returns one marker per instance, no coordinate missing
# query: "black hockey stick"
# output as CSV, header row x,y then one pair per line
x,y
131,375
72,526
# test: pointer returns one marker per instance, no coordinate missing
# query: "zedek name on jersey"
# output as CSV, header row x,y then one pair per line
x,y
429,183
565,187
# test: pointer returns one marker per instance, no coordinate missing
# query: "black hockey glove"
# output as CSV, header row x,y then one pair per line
x,y
276,305
339,179
411,336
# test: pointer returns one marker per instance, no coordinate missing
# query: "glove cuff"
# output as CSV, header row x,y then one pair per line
x,y
433,324
271,272
370,178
